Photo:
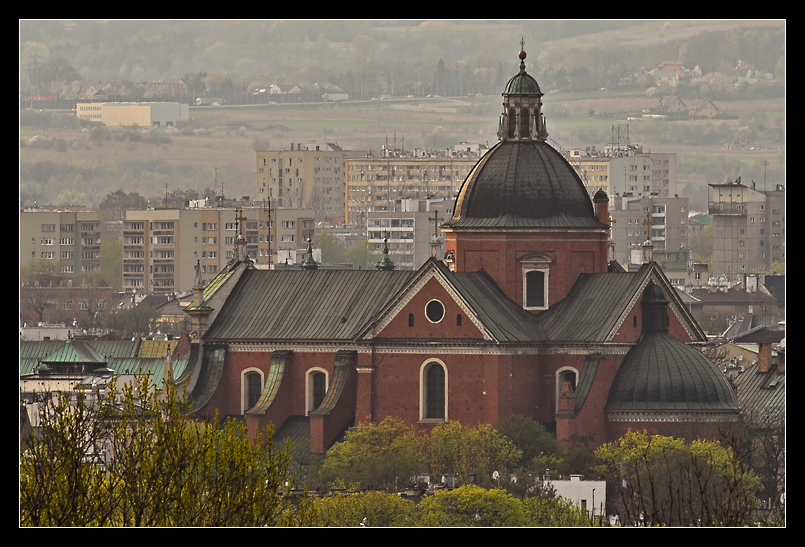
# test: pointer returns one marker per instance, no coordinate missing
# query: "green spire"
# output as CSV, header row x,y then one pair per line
x,y
386,263
308,263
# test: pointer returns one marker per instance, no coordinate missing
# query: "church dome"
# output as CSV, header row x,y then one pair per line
x,y
663,373
523,184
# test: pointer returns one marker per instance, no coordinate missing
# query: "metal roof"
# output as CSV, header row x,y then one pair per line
x,y
304,305
761,395
663,373
592,308
522,185
156,348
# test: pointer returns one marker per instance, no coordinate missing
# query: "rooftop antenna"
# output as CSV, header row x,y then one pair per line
x,y
166,195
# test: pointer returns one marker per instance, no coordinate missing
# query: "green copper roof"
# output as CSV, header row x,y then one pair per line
x,y
522,84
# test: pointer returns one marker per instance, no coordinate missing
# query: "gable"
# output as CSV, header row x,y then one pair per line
x,y
605,307
473,295
430,311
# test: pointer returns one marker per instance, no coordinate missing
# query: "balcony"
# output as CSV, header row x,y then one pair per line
x,y
716,208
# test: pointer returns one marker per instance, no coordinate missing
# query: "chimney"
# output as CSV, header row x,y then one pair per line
x,y
291,147
781,360
764,358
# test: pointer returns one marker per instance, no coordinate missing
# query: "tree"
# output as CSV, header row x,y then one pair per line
x,y
134,458
472,506
133,321
378,508
547,509
540,449
118,202
665,481
463,451
383,456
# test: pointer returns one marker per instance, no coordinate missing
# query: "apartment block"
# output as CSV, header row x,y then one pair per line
x,y
309,176
626,169
382,184
161,247
412,234
69,237
637,218
748,228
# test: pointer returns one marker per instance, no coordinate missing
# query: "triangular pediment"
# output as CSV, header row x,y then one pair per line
x,y
432,283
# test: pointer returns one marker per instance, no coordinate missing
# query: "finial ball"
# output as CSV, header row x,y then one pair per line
x,y
521,55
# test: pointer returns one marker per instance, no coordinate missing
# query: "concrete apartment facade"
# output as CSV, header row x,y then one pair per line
x,y
383,184
748,228
161,247
69,237
308,176
412,235
134,114
619,170
630,213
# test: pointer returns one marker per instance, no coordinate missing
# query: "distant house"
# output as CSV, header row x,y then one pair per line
x,y
671,104
284,89
703,109
671,72
169,87
82,90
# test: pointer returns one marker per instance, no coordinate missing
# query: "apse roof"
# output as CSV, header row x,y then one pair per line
x,y
663,373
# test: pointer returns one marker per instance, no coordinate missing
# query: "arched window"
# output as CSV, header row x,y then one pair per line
x,y
251,388
410,319
316,388
458,320
512,121
565,374
433,396
524,123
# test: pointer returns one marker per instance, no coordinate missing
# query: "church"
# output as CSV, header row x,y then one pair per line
x,y
525,314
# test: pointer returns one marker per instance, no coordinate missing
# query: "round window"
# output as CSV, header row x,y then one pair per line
x,y
434,311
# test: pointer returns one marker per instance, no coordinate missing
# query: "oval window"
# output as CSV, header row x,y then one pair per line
x,y
434,311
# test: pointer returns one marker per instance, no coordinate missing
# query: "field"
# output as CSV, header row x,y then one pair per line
x,y
225,137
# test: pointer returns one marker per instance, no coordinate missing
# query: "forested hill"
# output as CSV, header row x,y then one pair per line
x,y
389,56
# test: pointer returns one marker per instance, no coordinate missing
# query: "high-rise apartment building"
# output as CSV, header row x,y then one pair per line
x,y
412,235
748,228
636,218
382,184
309,176
161,247
69,237
619,170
